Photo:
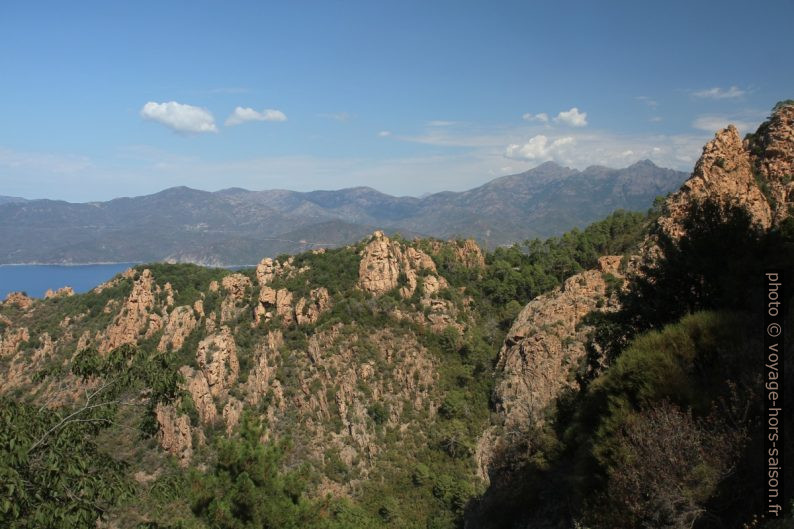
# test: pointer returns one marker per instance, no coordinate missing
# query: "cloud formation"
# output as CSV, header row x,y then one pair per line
x,y
648,101
384,133
341,117
244,114
572,117
715,123
43,162
538,149
718,93
441,123
542,117
181,118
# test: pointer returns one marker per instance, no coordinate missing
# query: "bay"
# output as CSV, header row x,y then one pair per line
x,y
36,279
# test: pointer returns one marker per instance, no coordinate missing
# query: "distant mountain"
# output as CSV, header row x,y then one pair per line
x,y
10,200
237,226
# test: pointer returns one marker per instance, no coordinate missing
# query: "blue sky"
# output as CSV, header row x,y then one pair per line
x,y
106,99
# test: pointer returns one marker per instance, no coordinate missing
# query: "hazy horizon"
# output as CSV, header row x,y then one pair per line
x,y
372,187
101,101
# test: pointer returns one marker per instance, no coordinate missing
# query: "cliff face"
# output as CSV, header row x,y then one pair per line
x,y
541,352
755,173
546,341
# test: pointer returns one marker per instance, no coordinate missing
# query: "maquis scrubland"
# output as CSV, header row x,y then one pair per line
x,y
608,378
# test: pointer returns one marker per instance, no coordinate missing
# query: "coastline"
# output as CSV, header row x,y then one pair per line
x,y
99,263
131,263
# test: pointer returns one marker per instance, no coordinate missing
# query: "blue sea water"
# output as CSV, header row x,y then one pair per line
x,y
36,279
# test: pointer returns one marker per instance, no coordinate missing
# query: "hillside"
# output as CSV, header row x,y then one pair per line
x,y
235,226
606,378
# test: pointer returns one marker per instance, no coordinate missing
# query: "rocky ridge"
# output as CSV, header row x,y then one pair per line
x,y
337,390
546,341
756,173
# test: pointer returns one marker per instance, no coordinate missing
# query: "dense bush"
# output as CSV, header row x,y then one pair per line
x,y
522,272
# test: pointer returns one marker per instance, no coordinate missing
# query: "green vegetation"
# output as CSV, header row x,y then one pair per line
x,y
661,433
425,483
334,269
668,435
188,281
520,273
52,473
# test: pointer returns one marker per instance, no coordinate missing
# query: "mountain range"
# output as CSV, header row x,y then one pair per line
x,y
237,226
610,378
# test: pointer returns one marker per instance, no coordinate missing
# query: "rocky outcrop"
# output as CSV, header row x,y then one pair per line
x,y
174,433
756,174
169,295
129,273
261,378
133,319
308,311
724,173
340,376
466,252
199,390
180,323
235,286
218,371
267,270
21,368
547,338
11,339
232,412
20,299
772,152
217,359
154,325
387,264
61,292
470,254
278,303
546,342
274,303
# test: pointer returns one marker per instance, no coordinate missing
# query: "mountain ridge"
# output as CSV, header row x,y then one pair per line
x,y
540,202
407,381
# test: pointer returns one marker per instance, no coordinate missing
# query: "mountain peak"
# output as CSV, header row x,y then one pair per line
x,y
643,163
753,173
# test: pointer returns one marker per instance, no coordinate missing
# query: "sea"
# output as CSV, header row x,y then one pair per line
x,y
34,280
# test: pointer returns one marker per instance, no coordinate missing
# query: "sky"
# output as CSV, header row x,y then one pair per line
x,y
106,99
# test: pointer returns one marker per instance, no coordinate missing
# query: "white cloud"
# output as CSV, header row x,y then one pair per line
x,y
538,149
384,133
341,117
440,123
179,117
243,114
572,117
542,117
648,101
715,123
43,162
718,93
